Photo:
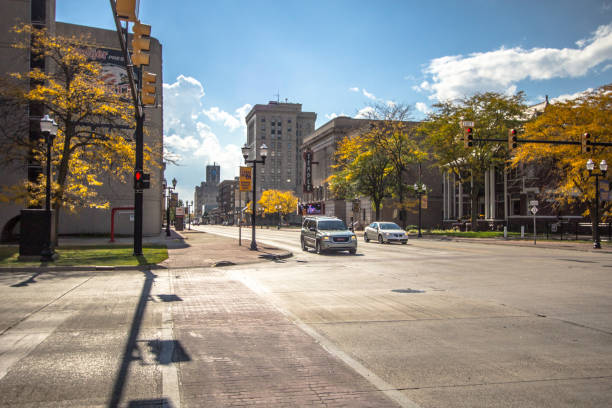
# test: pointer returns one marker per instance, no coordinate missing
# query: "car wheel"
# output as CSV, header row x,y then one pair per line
x,y
365,237
304,247
404,242
352,251
381,240
318,248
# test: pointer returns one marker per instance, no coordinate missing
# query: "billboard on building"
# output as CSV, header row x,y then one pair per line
x,y
113,73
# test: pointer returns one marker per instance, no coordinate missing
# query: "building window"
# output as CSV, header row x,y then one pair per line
x,y
288,120
272,131
263,120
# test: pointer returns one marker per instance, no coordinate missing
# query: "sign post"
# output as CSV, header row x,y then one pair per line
x,y
534,210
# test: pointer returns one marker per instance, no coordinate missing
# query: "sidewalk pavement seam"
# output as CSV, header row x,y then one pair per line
x,y
393,393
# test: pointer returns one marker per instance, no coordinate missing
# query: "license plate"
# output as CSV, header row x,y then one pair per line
x,y
341,239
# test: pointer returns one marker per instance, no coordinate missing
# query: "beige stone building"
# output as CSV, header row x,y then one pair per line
x,y
282,127
107,52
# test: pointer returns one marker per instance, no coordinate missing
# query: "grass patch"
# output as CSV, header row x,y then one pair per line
x,y
91,255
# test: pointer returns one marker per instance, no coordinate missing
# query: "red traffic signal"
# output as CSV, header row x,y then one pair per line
x,y
468,137
141,180
512,141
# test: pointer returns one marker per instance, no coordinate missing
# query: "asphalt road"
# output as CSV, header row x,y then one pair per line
x,y
453,324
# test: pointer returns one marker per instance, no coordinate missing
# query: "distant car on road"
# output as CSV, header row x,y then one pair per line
x,y
327,234
384,232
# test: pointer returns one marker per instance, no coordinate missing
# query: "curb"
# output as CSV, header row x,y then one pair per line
x,y
269,257
509,242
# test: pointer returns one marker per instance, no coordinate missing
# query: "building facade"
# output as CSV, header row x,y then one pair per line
x,y
106,51
282,127
321,145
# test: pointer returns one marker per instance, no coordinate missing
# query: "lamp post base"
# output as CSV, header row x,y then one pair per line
x,y
253,246
596,245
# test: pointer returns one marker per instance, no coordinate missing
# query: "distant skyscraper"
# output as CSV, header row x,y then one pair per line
x,y
213,174
205,196
281,127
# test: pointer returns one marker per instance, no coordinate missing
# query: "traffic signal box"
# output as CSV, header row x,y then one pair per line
x,y
142,180
140,42
147,93
585,140
512,140
468,137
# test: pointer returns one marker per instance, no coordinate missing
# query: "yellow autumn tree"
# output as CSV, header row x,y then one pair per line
x,y
90,115
277,202
360,169
568,182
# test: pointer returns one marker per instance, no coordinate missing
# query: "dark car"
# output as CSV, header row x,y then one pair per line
x,y
327,234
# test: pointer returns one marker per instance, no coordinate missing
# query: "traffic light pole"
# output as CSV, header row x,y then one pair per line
x,y
138,134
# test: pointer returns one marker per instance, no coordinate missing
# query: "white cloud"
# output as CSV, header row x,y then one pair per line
x,y
355,89
368,95
233,122
452,77
422,107
390,104
567,97
365,113
334,115
188,138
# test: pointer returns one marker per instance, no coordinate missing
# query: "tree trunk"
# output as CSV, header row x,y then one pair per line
x,y
377,209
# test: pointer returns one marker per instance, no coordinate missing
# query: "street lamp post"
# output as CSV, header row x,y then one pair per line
x,y
420,189
278,208
189,215
168,206
48,128
263,152
603,167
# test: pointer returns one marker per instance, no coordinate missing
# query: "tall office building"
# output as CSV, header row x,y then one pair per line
x,y
205,196
282,128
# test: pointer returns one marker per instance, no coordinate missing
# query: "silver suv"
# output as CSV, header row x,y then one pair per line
x,y
327,234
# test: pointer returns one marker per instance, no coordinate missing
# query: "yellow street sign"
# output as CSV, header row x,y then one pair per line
x,y
245,178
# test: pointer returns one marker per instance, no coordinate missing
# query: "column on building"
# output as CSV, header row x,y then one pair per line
x,y
444,197
486,194
460,194
492,188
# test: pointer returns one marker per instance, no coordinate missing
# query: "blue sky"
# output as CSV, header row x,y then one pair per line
x,y
338,57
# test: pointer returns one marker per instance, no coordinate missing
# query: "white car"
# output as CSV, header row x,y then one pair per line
x,y
385,232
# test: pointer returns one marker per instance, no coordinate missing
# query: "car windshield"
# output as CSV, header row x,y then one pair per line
x,y
389,226
332,225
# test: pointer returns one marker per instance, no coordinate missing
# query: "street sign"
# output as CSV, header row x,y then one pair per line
x,y
245,178
180,211
534,203
534,210
466,123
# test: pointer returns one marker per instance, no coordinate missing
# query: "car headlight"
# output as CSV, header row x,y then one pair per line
x,y
353,237
325,238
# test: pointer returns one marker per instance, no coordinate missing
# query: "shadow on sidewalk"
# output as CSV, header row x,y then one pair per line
x,y
165,351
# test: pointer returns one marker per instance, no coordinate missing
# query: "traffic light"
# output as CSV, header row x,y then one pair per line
x,y
586,142
142,180
140,42
468,137
147,93
512,142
